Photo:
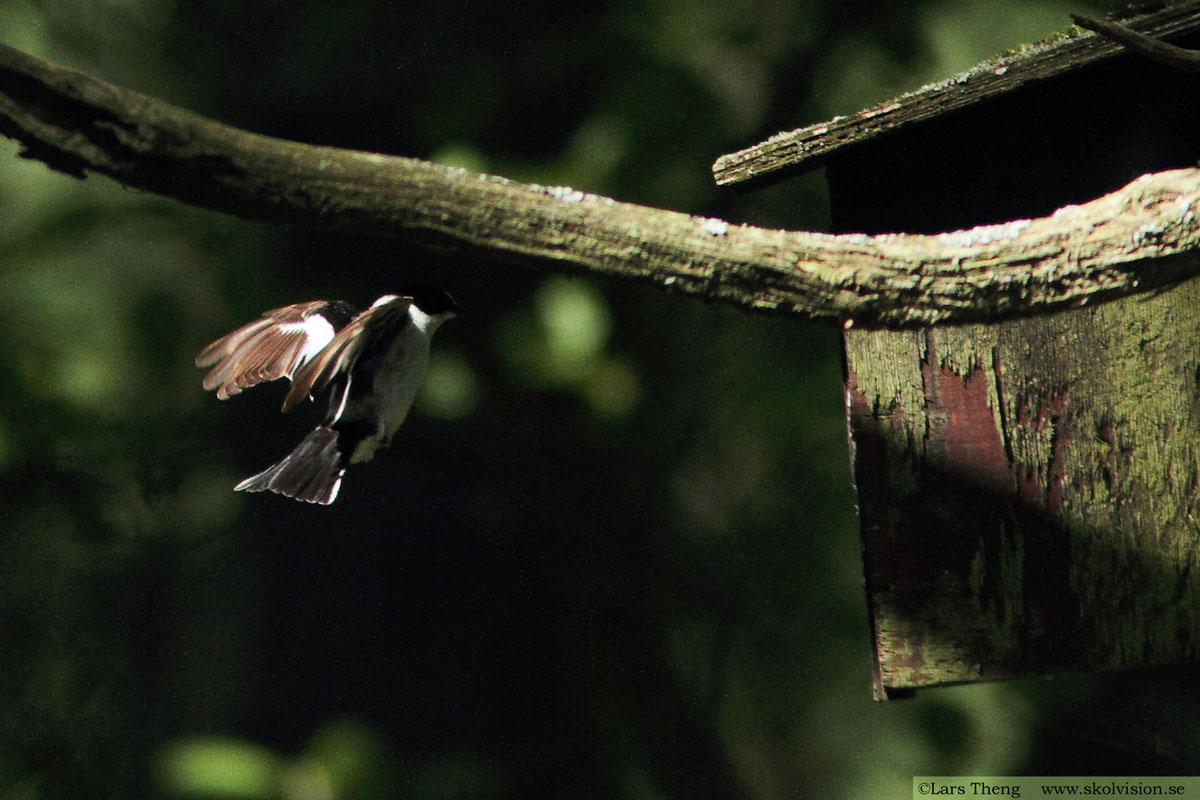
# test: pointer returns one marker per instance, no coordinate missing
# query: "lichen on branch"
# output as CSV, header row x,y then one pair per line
x,y
1140,238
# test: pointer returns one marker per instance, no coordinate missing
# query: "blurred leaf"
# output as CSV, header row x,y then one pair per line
x,y
576,322
354,760
218,767
612,390
451,389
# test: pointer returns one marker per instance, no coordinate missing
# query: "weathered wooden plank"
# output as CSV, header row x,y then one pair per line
x,y
1028,492
812,145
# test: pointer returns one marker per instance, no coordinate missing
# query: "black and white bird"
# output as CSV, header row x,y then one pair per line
x,y
370,365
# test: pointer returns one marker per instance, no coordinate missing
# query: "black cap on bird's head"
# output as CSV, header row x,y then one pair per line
x,y
431,300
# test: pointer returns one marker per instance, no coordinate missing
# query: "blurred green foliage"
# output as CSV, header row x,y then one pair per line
x,y
612,555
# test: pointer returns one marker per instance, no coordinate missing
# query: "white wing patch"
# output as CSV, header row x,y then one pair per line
x,y
273,346
317,333
340,355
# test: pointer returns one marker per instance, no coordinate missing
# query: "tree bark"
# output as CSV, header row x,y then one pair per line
x,y
1138,239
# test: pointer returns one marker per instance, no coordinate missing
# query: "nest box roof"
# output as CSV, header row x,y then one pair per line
x,y
810,146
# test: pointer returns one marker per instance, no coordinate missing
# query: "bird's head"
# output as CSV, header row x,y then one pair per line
x,y
433,301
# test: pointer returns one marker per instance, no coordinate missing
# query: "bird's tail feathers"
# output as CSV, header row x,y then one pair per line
x,y
312,473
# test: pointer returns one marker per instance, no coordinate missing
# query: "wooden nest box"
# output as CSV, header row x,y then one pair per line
x,y
1028,490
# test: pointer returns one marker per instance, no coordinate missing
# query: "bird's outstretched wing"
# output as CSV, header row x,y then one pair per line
x,y
347,346
273,346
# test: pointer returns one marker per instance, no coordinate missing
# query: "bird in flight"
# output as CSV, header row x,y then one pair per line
x,y
368,364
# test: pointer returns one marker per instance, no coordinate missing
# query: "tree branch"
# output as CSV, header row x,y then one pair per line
x,y
1157,50
1140,238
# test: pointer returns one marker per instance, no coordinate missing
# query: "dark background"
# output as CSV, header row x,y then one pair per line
x,y
613,552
